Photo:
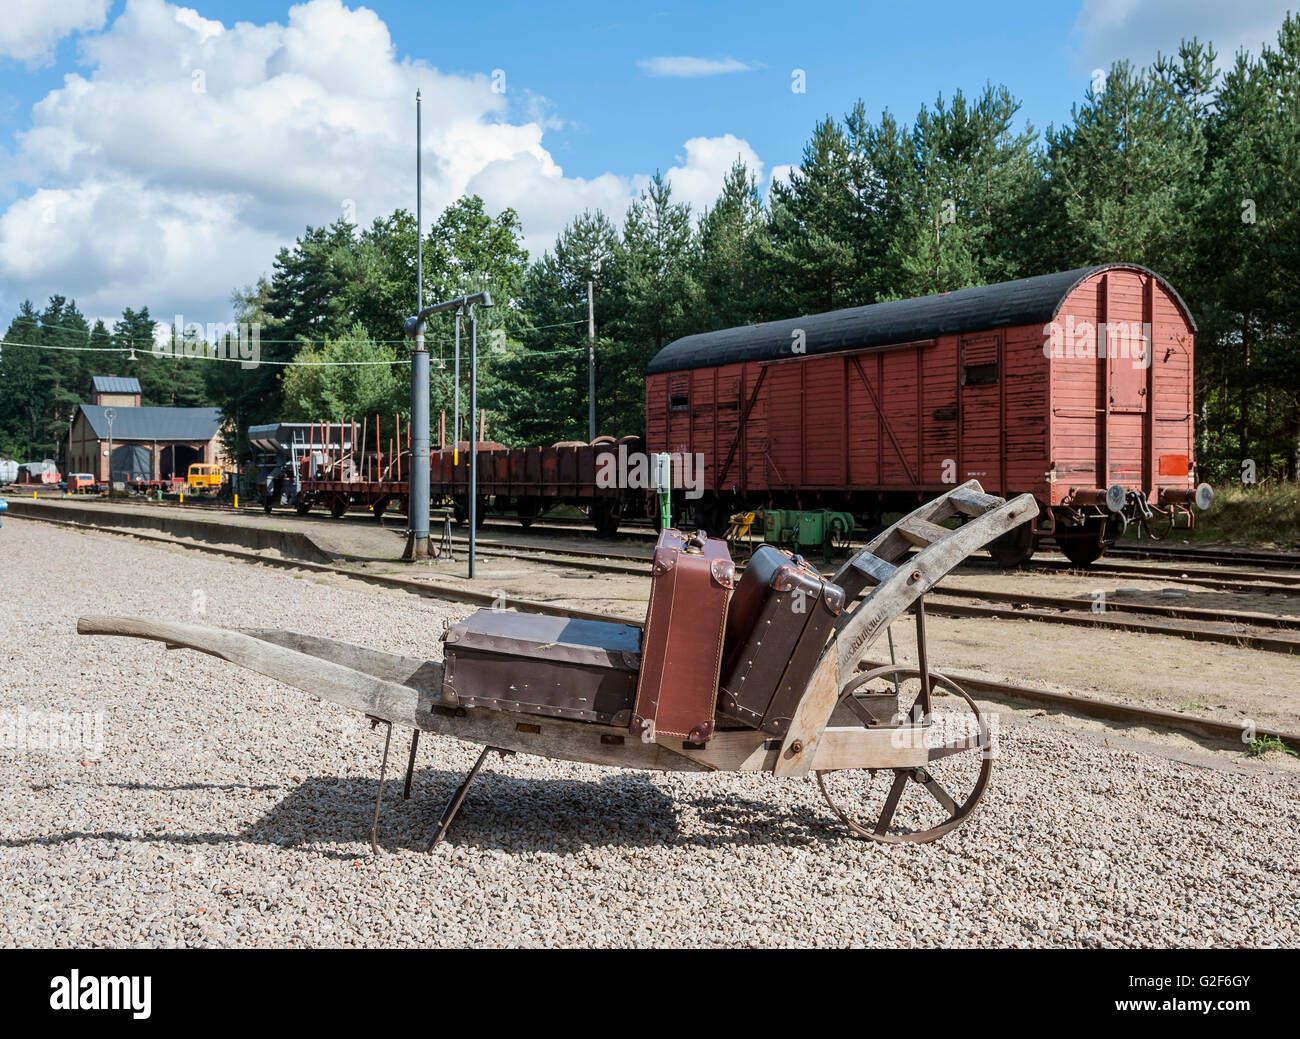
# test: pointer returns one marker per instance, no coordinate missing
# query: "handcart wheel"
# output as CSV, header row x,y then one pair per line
x,y
918,804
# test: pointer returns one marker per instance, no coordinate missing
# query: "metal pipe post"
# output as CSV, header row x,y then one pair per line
x,y
455,389
418,492
591,364
417,497
473,429
415,328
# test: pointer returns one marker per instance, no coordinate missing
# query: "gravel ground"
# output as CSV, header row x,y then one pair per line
x,y
228,810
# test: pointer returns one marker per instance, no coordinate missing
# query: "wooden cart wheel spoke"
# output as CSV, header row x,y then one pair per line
x,y
954,790
940,794
891,802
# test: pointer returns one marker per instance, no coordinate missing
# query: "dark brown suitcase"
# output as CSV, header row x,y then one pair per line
x,y
778,624
681,649
536,664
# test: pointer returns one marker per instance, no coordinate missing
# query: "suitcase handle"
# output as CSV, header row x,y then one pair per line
x,y
695,543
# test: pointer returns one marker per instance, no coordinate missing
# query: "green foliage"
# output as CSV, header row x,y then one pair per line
x,y
1257,748
352,390
969,189
1256,514
728,257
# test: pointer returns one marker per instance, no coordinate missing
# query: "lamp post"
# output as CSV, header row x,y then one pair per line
x,y
417,544
109,415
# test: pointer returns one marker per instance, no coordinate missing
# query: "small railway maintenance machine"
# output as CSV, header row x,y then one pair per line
x,y
762,673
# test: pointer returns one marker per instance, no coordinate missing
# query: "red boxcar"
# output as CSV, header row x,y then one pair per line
x,y
1075,387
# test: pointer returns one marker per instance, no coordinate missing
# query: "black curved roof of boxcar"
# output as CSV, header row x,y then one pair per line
x,y
1027,301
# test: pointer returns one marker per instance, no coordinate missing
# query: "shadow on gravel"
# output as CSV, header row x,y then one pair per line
x,y
505,813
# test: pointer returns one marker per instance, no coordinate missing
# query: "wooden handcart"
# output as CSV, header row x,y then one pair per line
x,y
900,752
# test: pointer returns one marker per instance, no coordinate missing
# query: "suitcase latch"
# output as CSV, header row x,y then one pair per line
x,y
724,572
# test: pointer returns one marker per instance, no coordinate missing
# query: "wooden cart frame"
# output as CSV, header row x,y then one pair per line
x,y
833,728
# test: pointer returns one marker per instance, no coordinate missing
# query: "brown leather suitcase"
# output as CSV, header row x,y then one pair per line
x,y
681,648
780,618
536,664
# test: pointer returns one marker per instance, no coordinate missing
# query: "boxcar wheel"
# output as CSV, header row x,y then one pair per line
x,y
606,516
1087,548
1082,551
1014,548
527,510
338,505
303,506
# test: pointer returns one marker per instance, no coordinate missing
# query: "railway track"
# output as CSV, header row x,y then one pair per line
x,y
1277,581
1082,706
642,530
1232,627
1260,631
1225,556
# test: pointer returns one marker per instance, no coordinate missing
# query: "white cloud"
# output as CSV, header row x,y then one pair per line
x,y
540,193
691,68
172,166
29,29
699,178
1135,30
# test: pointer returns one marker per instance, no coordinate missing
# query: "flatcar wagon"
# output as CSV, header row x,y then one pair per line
x,y
531,480
1075,387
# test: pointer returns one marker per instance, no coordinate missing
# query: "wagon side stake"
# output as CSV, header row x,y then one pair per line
x,y
453,806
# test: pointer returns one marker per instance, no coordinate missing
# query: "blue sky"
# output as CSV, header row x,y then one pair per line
x,y
197,145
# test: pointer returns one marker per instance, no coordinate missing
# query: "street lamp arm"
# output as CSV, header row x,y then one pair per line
x,y
414,326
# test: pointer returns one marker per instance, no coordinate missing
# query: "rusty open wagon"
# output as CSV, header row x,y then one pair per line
x,y
900,751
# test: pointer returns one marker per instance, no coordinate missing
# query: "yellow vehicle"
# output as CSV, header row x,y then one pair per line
x,y
203,477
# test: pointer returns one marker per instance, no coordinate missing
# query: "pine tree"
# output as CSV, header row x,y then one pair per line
x,y
728,254
808,256
970,176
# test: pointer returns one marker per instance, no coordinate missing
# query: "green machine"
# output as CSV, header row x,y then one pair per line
x,y
805,529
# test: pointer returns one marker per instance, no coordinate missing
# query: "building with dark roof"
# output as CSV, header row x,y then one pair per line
x,y
148,444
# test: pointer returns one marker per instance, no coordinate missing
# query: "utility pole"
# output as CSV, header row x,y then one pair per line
x,y
417,497
591,364
473,435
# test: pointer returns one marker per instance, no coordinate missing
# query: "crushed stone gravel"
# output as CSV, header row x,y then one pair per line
x,y
228,810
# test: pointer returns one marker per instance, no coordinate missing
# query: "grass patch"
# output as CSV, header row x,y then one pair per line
x,y
1259,747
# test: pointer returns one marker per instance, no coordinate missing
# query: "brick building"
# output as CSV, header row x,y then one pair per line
x,y
147,443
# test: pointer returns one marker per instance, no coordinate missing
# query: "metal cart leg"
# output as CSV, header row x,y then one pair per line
x,y
410,764
453,806
379,794
922,659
